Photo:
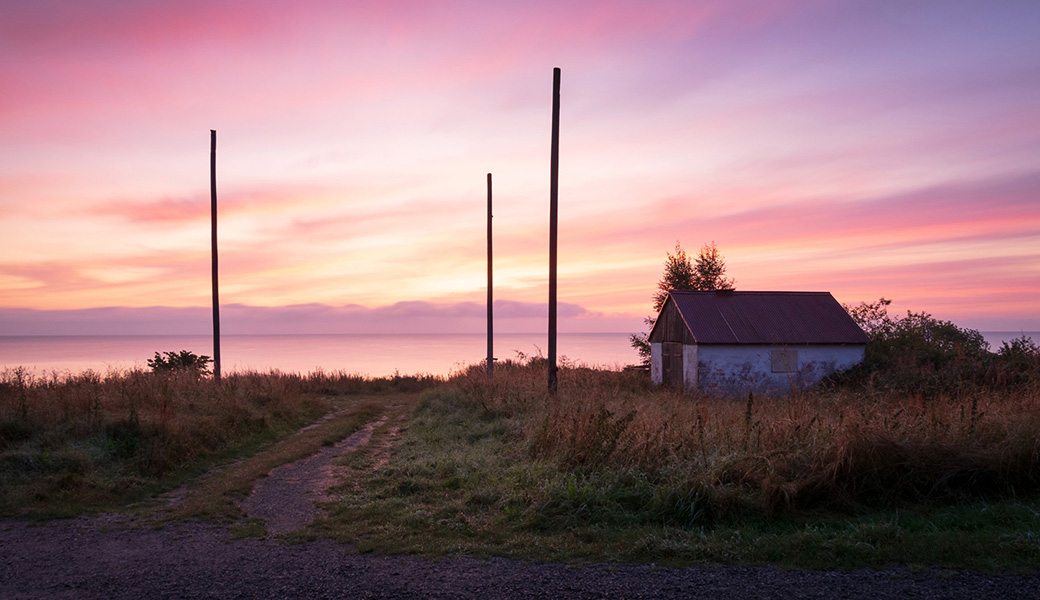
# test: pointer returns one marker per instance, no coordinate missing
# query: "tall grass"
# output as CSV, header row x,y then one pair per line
x,y
834,450
70,442
615,468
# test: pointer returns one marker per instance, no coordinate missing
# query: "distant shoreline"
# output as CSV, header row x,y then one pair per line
x,y
375,355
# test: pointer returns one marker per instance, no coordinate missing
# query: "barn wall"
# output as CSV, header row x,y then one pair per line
x,y
670,326
737,370
656,371
690,362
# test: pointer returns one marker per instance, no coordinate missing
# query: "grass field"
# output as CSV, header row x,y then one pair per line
x,y
611,468
74,444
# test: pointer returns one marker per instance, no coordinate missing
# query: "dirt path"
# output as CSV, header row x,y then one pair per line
x,y
286,498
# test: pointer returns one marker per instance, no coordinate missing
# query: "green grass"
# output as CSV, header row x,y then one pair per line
x,y
248,528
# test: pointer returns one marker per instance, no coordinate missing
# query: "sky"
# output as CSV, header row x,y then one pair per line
x,y
866,148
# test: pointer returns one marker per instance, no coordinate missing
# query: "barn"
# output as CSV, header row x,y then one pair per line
x,y
735,342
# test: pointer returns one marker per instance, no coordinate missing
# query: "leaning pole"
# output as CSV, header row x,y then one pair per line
x,y
490,321
213,249
554,173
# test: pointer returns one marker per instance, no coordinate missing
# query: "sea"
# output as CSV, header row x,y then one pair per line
x,y
373,355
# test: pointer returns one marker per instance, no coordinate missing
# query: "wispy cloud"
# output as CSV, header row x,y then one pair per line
x,y
409,317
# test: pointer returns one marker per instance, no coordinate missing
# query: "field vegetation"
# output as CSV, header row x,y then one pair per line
x,y
74,443
611,468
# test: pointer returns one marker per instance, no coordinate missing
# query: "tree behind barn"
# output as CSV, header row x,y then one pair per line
x,y
679,274
707,273
710,271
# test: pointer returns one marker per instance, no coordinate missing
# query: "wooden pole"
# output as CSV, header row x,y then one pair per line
x,y
490,323
554,176
213,249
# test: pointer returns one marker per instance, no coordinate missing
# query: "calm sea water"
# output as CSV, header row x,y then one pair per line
x,y
374,355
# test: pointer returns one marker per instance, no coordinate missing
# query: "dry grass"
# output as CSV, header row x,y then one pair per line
x,y
835,450
610,467
614,469
91,441
218,493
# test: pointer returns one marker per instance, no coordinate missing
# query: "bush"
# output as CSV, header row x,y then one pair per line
x,y
180,361
920,354
1016,363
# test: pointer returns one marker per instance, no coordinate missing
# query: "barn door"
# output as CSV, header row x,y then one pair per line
x,y
672,363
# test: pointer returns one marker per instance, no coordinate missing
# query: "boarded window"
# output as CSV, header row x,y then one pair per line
x,y
785,361
672,363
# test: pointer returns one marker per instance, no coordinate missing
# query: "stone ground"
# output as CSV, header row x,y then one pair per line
x,y
105,557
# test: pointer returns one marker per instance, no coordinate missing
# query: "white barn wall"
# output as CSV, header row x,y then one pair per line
x,y
690,366
656,370
748,368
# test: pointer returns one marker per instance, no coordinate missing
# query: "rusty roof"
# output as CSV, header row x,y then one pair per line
x,y
732,317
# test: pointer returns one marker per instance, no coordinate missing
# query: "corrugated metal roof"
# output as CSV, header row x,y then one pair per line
x,y
767,318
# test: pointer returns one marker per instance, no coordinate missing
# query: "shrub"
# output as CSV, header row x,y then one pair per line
x,y
917,353
180,361
1016,363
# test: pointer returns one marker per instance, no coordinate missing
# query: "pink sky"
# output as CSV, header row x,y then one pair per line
x,y
872,148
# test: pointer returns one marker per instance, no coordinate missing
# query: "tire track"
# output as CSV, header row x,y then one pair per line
x,y
286,499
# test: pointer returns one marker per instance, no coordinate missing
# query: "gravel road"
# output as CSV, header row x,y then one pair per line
x,y
105,557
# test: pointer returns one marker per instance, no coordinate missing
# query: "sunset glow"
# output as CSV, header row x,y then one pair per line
x,y
866,148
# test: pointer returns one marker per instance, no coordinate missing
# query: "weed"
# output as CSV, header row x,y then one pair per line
x,y
248,528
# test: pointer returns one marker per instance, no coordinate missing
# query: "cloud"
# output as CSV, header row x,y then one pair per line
x,y
163,211
409,317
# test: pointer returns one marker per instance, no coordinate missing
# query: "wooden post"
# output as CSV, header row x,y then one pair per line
x,y
213,249
554,176
490,323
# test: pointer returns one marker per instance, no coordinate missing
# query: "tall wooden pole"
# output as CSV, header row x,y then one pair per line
x,y
554,175
213,249
490,323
